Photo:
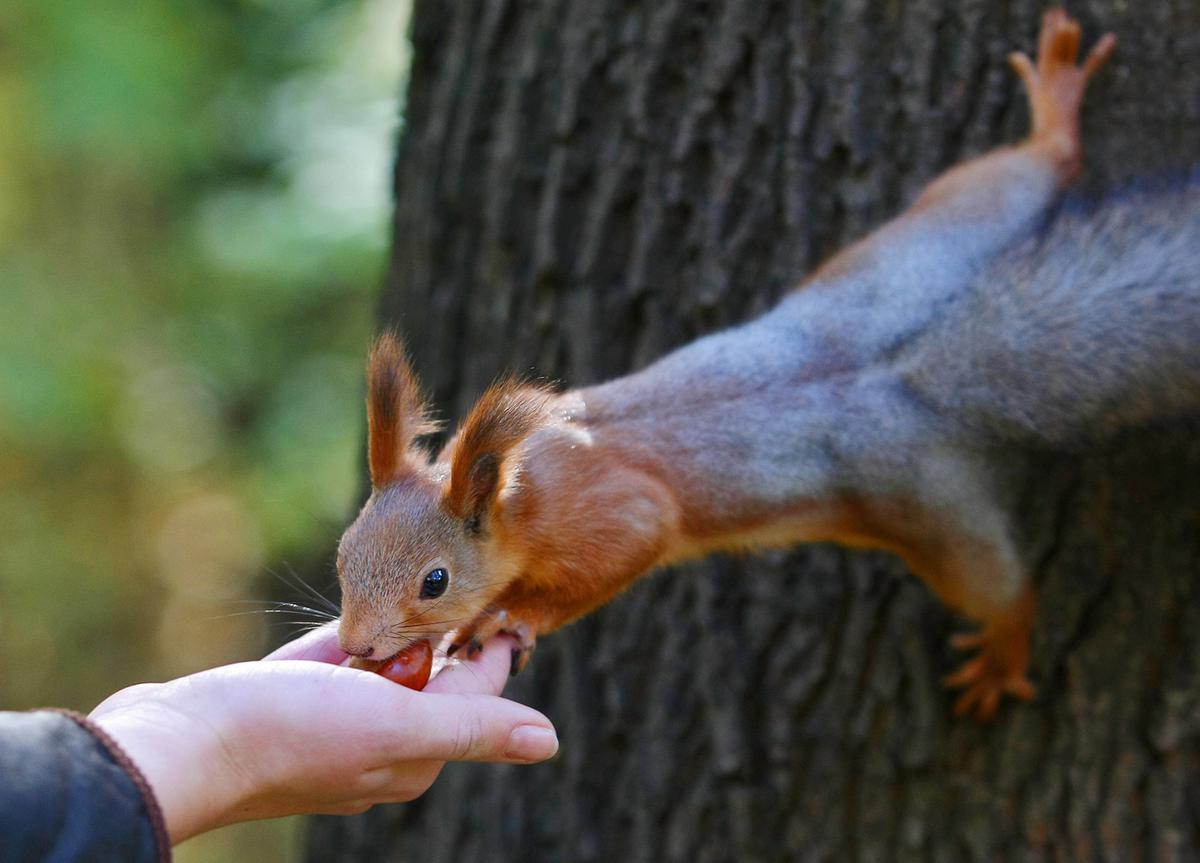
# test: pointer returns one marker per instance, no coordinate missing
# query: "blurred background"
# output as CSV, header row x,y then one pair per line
x,y
194,199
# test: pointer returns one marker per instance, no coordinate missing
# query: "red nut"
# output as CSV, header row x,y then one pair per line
x,y
410,667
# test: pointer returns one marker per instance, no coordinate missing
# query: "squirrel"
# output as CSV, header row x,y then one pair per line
x,y
872,406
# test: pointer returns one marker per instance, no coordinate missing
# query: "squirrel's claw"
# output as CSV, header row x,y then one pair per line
x,y
1058,49
492,622
983,687
1099,54
999,667
520,658
1058,55
1059,39
983,683
1055,82
1023,66
986,677
967,640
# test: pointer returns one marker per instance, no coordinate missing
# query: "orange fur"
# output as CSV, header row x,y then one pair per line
x,y
396,413
502,418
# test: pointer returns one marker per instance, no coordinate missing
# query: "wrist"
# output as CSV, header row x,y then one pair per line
x,y
122,760
184,762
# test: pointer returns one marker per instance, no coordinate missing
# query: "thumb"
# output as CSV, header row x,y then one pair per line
x,y
452,727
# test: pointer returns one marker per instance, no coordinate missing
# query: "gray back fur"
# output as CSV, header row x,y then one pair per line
x,y
1088,327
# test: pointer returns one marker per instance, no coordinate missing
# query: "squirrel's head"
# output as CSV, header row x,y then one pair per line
x,y
430,549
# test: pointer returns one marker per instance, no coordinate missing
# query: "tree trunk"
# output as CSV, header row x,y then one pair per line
x,y
583,185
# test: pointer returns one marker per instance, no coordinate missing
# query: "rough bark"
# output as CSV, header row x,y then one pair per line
x,y
583,185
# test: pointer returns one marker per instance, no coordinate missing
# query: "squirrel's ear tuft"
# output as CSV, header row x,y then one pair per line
x,y
396,413
502,418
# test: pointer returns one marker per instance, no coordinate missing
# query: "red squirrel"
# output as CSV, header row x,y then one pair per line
x,y
869,407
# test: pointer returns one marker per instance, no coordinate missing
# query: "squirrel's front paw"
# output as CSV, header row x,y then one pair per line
x,y
492,622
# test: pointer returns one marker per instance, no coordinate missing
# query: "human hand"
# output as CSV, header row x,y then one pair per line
x,y
272,738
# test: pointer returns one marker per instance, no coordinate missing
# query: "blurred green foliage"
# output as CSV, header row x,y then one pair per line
x,y
194,199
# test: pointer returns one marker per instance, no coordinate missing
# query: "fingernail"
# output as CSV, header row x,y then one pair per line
x,y
531,743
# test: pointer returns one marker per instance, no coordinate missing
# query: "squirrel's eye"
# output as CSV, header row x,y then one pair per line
x,y
435,584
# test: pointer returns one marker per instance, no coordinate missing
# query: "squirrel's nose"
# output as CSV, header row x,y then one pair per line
x,y
358,637
362,652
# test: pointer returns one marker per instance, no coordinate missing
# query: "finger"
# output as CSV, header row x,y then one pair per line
x,y
966,702
1066,46
319,645
966,674
1099,54
1021,688
987,705
485,673
966,640
1050,21
1023,66
452,727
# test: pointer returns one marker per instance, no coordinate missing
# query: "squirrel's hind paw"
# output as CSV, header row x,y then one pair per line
x,y
1001,663
984,684
1055,84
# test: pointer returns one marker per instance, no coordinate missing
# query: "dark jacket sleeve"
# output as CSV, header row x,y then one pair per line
x,y
69,793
